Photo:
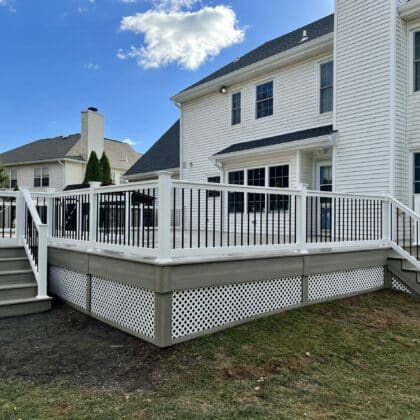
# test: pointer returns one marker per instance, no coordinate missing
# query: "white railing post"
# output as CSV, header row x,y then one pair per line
x,y
20,217
301,218
93,200
386,219
50,213
42,261
164,217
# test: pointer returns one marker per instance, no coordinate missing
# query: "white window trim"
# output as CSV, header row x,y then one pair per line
x,y
231,108
411,85
319,64
259,83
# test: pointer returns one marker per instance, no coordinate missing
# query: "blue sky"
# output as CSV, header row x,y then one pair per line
x,y
61,56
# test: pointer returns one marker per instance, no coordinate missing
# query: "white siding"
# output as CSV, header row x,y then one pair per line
x,y
206,122
363,80
25,176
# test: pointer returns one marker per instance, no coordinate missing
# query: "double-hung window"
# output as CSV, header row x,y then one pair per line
x,y
264,100
213,180
279,178
327,87
12,178
236,108
236,199
41,177
417,61
256,178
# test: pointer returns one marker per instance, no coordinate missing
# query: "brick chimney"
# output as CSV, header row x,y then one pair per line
x,y
92,135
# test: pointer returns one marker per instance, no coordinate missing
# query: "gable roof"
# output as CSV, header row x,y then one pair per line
x,y
278,45
284,138
164,154
45,149
120,155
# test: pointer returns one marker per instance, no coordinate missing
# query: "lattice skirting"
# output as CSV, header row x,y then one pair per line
x,y
69,286
130,307
329,285
397,285
197,310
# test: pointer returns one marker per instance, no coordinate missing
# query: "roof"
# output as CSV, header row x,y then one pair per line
x,y
121,155
45,149
164,154
286,42
284,138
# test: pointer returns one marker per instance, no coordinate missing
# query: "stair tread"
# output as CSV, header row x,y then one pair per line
x,y
17,286
23,301
4,259
12,272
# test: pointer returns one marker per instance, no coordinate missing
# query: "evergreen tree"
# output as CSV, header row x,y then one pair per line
x,y
4,179
93,170
106,169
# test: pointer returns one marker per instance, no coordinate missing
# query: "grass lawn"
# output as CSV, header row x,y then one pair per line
x,y
355,358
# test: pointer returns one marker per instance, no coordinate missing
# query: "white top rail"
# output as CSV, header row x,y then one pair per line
x,y
31,207
234,188
330,194
8,193
404,208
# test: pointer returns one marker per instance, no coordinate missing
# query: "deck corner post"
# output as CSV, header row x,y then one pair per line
x,y
93,198
164,217
20,217
163,319
386,217
301,216
42,261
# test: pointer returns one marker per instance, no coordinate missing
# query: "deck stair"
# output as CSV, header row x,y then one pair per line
x,y
406,273
18,287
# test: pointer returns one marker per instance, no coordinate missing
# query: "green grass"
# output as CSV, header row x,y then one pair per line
x,y
355,358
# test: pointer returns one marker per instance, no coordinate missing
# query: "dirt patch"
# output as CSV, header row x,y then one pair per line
x,y
65,345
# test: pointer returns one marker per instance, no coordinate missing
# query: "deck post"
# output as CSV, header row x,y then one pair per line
x,y
20,217
386,217
301,216
164,217
92,212
42,261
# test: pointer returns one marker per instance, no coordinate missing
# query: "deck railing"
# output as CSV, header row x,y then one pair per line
x,y
8,202
168,218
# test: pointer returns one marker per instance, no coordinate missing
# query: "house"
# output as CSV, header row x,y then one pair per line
x,y
162,156
297,184
61,161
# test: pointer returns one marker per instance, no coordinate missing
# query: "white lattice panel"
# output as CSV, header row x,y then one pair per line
x,y
322,286
128,306
397,285
197,310
69,285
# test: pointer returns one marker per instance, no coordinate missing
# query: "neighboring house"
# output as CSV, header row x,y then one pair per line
x,y
162,156
333,105
61,161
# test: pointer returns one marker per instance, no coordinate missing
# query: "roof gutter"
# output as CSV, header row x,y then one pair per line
x,y
317,46
135,177
308,144
33,162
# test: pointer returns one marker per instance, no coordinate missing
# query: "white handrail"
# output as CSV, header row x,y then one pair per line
x,y
332,194
404,208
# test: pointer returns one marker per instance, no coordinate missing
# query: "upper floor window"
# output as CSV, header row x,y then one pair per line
x,y
236,108
12,178
417,61
265,100
41,177
327,87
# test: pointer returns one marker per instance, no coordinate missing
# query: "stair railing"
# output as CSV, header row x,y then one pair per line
x,y
34,237
404,229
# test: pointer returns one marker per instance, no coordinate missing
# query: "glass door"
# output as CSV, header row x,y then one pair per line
x,y
325,183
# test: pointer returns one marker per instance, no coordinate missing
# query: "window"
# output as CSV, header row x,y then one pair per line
x,y
41,177
279,178
12,178
265,100
256,178
236,108
416,173
327,87
236,199
417,61
213,180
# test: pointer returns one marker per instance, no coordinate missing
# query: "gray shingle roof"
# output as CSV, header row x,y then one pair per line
x,y
284,138
314,30
45,149
164,154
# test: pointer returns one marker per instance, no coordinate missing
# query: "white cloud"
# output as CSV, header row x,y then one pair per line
x,y
81,10
186,38
129,142
3,2
174,4
92,66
